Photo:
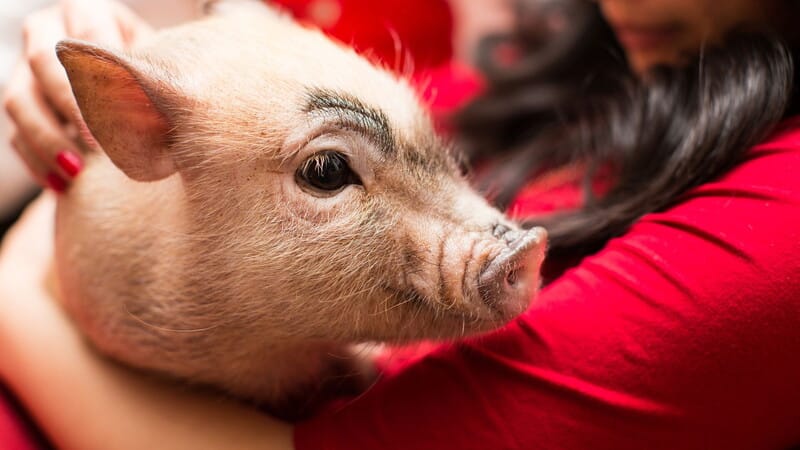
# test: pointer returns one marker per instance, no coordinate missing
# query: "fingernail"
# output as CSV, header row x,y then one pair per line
x,y
69,162
55,182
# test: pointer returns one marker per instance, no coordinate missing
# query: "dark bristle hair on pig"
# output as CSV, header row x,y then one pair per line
x,y
570,99
263,200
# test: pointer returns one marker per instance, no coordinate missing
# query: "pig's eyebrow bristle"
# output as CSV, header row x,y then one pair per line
x,y
351,112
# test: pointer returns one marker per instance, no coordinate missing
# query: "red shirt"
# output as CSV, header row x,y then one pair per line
x,y
682,334
14,432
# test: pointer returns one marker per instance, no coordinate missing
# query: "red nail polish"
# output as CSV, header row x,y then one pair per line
x,y
69,162
55,183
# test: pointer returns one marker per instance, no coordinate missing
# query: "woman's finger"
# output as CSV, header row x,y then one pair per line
x,y
132,27
41,31
92,20
40,131
29,159
35,166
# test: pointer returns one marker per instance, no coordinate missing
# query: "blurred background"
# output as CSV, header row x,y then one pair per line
x,y
15,184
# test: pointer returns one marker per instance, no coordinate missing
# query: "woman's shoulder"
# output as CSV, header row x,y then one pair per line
x,y
734,238
744,221
729,245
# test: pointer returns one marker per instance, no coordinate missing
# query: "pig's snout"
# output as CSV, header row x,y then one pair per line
x,y
482,277
509,280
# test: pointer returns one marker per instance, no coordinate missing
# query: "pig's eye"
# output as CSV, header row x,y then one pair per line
x,y
327,171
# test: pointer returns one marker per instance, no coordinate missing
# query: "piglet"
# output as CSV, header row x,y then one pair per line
x,y
263,200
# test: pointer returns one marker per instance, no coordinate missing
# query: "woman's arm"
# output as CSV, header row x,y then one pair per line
x,y
83,401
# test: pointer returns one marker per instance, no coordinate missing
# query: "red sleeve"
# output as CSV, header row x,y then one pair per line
x,y
15,433
682,334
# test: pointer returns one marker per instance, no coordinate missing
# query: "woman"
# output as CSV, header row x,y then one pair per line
x,y
677,327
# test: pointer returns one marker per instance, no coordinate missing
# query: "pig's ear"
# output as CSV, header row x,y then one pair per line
x,y
123,106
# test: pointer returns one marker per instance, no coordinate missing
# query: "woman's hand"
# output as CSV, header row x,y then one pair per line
x,y
48,132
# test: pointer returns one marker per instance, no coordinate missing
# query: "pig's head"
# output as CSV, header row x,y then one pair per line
x,y
319,202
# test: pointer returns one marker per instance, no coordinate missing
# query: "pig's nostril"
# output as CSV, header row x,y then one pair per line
x,y
513,276
500,230
507,281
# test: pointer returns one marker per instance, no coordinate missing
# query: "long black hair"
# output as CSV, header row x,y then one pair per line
x,y
570,98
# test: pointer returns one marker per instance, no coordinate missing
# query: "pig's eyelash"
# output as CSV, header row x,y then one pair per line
x,y
328,172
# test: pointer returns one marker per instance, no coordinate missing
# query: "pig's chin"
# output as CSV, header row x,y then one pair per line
x,y
480,318
474,315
